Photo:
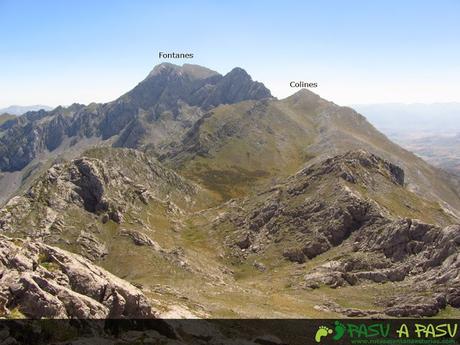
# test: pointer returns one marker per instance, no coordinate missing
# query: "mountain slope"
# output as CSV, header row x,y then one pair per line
x,y
185,113
166,92
236,146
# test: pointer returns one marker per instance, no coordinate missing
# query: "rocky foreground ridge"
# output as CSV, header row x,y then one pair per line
x,y
40,281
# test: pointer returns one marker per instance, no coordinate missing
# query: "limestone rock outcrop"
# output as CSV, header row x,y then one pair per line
x,y
40,281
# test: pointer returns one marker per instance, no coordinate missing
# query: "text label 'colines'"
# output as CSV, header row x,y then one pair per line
x,y
302,84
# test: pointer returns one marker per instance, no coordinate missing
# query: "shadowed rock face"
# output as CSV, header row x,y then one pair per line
x,y
90,183
46,282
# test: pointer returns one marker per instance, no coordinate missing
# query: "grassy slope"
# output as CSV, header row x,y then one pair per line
x,y
247,143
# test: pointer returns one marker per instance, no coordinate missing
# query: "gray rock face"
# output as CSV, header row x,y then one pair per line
x,y
421,255
424,258
418,307
28,135
357,167
39,281
93,248
84,183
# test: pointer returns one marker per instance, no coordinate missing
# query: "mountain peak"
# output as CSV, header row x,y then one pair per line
x,y
305,98
238,71
164,67
236,86
304,93
193,71
196,86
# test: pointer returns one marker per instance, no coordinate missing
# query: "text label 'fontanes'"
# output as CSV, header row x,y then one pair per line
x,y
163,55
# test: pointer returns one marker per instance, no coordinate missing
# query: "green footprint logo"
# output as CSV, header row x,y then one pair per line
x,y
339,330
322,332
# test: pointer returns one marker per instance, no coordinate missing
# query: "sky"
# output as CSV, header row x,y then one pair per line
x,y
61,52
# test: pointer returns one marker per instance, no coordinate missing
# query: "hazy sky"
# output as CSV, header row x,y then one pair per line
x,y
60,52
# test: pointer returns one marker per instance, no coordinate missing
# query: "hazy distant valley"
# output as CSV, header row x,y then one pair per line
x,y
432,131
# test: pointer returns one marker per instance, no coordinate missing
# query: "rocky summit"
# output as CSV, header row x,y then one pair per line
x,y
198,194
